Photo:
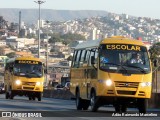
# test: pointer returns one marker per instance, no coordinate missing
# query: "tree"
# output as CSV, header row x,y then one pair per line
x,y
72,37
31,35
155,51
70,58
1,51
11,54
55,38
66,38
52,50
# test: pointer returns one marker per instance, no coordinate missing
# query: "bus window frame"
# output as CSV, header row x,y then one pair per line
x,y
82,57
77,59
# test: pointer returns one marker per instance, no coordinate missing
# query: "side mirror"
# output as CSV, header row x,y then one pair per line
x,y
155,62
92,60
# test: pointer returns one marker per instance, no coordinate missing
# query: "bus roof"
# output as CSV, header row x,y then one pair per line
x,y
122,40
109,40
88,44
23,58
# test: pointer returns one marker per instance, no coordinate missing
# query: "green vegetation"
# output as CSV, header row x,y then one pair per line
x,y
11,55
66,38
155,51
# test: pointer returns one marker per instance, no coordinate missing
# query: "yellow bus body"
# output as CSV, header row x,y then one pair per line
x,y
86,79
31,87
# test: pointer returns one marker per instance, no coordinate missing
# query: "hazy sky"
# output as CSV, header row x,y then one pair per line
x,y
143,8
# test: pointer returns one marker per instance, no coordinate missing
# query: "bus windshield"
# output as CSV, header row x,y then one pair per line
x,y
124,58
28,70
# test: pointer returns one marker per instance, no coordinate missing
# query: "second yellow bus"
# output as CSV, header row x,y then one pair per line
x,y
113,71
24,76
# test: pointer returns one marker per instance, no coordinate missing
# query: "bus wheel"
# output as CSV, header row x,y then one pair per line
x,y
29,98
12,95
142,105
94,102
7,95
33,98
117,108
78,101
39,96
86,104
124,108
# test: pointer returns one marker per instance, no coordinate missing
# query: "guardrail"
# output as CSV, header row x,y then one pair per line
x,y
58,94
154,102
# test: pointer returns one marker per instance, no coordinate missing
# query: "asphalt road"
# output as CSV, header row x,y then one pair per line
x,y
20,108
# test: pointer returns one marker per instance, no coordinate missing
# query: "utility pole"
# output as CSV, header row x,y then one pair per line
x,y
47,55
39,2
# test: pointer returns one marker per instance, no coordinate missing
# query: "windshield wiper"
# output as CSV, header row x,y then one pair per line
x,y
141,69
121,66
19,73
33,73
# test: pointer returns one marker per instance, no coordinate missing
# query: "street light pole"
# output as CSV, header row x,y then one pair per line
x,y
39,2
47,55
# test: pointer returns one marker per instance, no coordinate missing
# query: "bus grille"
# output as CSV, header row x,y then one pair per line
x,y
126,92
127,84
28,88
29,83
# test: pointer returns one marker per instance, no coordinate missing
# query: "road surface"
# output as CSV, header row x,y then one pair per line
x,y
20,108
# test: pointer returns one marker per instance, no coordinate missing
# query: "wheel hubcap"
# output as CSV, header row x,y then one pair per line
x,y
77,100
92,100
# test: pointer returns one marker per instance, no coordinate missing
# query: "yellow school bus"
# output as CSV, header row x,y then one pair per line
x,y
102,74
24,76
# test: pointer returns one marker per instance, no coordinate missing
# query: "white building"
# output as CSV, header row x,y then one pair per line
x,y
17,44
95,34
42,23
3,43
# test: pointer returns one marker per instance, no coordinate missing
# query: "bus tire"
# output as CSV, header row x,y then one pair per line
x,y
33,98
29,98
39,96
142,105
117,108
123,108
7,95
11,95
86,104
78,101
93,102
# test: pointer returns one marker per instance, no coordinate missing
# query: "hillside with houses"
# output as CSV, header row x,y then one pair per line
x,y
18,39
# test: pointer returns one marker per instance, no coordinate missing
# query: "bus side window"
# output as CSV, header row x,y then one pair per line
x,y
77,59
82,57
87,56
74,58
92,54
96,56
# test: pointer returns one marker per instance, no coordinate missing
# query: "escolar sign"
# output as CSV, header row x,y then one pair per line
x,y
123,47
27,62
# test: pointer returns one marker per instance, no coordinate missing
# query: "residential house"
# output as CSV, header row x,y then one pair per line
x,y
2,43
24,53
5,51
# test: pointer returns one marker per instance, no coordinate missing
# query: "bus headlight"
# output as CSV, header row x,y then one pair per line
x,y
38,83
144,84
18,82
108,82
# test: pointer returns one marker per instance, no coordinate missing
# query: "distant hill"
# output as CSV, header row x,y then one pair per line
x,y
31,15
